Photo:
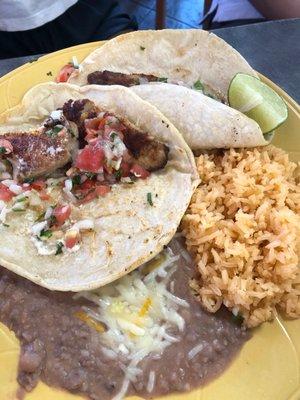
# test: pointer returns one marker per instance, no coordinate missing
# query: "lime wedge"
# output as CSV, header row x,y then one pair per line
x,y
258,101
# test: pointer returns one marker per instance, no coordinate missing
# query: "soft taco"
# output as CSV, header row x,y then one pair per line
x,y
193,58
94,182
204,122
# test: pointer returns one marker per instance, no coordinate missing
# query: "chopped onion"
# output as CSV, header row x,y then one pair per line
x,y
68,184
56,114
8,182
195,350
36,229
16,189
2,204
5,210
84,224
48,213
151,381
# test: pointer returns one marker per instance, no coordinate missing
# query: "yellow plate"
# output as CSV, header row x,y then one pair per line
x,y
268,367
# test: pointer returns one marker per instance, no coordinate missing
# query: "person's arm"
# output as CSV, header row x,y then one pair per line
x,y
278,9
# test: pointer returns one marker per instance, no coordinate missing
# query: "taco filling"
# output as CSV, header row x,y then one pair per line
x,y
80,153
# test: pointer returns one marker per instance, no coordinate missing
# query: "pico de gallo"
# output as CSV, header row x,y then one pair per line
x,y
109,151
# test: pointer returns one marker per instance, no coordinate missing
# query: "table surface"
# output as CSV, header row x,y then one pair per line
x,y
272,48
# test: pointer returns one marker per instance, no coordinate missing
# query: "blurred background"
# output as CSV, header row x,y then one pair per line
x,y
180,14
30,27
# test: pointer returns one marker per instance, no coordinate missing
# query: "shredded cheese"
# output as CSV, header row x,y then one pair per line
x,y
151,382
139,313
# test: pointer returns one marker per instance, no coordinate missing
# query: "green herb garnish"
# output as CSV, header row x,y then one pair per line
x,y
149,199
46,233
59,247
6,225
118,174
198,85
165,80
17,210
28,180
40,217
142,48
2,150
21,199
113,135
54,131
76,180
90,175
49,73
52,220
71,132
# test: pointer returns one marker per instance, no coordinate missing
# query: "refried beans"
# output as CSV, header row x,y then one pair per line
x,y
64,351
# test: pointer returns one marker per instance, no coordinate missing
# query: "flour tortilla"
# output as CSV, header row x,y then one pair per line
x,y
180,55
204,122
129,231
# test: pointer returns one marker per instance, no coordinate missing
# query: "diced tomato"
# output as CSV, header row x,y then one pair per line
x,y
39,184
90,159
92,127
102,123
71,239
92,123
90,135
7,146
89,197
87,185
139,171
102,190
65,73
62,213
26,186
125,168
5,193
44,196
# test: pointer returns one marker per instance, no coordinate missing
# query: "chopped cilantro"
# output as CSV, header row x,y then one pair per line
x,y
6,225
142,48
118,173
90,175
17,210
113,135
165,80
76,180
71,132
2,150
46,233
49,73
52,220
59,246
198,85
28,180
149,198
40,217
21,199
54,131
